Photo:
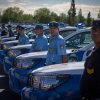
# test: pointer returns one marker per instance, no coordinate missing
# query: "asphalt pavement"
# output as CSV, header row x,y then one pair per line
x,y
5,92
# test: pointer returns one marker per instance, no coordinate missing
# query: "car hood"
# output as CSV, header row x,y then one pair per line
x,y
65,68
8,38
41,54
27,46
16,41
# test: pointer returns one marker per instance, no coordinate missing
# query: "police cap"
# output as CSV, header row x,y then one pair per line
x,y
9,25
38,27
54,24
3,25
96,23
18,26
21,28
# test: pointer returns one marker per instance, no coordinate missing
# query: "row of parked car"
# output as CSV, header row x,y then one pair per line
x,y
29,76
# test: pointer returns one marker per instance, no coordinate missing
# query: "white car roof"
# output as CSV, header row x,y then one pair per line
x,y
77,32
64,68
68,28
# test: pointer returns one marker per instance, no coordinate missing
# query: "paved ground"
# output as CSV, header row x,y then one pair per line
x,y
5,92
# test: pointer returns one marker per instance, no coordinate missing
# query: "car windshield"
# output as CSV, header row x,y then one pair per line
x,y
27,63
79,40
16,52
65,33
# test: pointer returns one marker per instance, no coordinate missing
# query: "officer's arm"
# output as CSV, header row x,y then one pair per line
x,y
64,58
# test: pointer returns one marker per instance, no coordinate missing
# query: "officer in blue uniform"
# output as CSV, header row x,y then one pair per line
x,y
3,30
23,38
40,43
90,81
10,32
17,32
57,50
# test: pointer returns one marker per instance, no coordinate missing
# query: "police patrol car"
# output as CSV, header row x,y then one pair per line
x,y
23,65
71,39
54,82
7,39
12,53
5,47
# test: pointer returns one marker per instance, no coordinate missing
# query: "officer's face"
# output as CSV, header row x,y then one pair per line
x,y
38,31
17,29
53,30
9,28
22,31
96,35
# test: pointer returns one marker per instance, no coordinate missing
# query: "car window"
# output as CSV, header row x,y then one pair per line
x,y
65,33
78,41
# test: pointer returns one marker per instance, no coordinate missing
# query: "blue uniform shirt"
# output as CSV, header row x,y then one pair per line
x,y
23,39
56,50
40,44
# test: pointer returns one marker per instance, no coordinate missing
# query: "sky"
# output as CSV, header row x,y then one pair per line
x,y
58,6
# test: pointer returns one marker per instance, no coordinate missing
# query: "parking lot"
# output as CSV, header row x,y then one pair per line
x,y
5,92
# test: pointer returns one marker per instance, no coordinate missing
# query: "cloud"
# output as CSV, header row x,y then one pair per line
x,y
11,1
28,6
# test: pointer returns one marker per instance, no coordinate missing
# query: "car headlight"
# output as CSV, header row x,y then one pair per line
x,y
5,47
48,81
14,52
26,63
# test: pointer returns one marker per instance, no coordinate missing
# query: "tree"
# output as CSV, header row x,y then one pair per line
x,y
0,18
12,13
54,16
28,18
63,17
72,13
42,15
80,18
69,17
89,19
99,14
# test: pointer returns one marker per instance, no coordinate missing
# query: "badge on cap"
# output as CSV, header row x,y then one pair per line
x,y
90,71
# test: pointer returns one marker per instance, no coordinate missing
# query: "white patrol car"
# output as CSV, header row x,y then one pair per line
x,y
12,43
54,82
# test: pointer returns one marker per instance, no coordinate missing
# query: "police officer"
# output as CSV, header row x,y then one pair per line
x,y
10,32
41,43
57,50
17,32
23,38
90,81
3,31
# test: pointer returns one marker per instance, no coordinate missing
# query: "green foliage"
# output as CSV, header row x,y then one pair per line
x,y
89,19
80,17
63,17
98,14
72,13
12,13
42,15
